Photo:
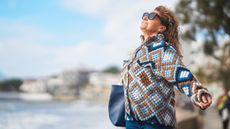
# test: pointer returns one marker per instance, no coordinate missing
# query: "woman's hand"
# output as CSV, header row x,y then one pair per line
x,y
205,102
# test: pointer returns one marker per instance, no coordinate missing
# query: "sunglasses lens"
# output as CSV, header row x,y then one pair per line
x,y
152,16
145,15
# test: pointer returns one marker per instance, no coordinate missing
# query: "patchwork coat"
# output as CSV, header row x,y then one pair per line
x,y
149,79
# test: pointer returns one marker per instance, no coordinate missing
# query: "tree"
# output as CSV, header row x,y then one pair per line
x,y
211,18
112,69
10,85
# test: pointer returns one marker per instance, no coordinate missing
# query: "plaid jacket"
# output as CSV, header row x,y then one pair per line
x,y
149,79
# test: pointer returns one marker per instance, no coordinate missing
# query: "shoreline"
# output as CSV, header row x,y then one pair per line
x,y
25,96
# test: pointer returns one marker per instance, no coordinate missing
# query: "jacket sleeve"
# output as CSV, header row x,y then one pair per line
x,y
171,67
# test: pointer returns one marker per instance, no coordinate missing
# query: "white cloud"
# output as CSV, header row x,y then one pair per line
x,y
20,54
122,18
19,30
88,6
20,51
89,54
106,7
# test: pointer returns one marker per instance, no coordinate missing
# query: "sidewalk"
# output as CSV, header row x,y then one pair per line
x,y
211,119
186,119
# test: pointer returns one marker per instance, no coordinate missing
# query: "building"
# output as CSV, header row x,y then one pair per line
x,y
99,86
67,83
34,86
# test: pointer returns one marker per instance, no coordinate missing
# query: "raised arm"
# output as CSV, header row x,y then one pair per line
x,y
171,67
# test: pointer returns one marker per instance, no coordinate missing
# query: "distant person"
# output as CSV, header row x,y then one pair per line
x,y
223,107
155,68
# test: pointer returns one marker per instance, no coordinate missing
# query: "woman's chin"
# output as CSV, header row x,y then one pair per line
x,y
143,27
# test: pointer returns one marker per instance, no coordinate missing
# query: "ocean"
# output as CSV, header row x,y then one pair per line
x,y
15,114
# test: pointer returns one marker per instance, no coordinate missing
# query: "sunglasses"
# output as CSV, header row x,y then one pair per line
x,y
152,16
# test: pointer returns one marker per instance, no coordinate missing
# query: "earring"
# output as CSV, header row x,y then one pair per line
x,y
160,35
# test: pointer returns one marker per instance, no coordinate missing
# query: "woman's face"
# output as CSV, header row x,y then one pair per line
x,y
151,27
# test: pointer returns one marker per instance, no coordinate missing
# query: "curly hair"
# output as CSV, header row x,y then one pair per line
x,y
169,20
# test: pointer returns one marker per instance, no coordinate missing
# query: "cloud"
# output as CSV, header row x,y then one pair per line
x,y
22,55
106,7
13,30
121,18
89,54
89,6
28,59
121,28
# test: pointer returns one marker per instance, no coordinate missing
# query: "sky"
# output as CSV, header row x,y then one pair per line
x,y
45,37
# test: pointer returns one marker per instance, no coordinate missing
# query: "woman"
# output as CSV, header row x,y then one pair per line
x,y
153,71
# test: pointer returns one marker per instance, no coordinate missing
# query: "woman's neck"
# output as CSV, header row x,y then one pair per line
x,y
146,36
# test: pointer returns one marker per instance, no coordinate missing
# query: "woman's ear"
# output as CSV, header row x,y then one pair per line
x,y
161,28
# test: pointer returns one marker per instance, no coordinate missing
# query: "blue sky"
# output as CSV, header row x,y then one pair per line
x,y
51,17
44,37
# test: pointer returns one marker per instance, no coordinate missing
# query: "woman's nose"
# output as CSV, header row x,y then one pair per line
x,y
145,18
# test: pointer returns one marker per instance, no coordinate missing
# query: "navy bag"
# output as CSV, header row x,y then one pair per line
x,y
117,106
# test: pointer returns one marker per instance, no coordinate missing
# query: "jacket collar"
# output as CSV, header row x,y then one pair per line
x,y
154,38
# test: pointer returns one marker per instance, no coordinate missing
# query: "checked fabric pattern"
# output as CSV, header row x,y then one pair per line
x,y
149,79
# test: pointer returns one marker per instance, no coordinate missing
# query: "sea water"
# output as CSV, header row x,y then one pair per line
x,y
15,114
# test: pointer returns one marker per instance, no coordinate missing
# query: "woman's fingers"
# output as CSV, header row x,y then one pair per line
x,y
204,105
204,99
199,104
209,99
206,102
